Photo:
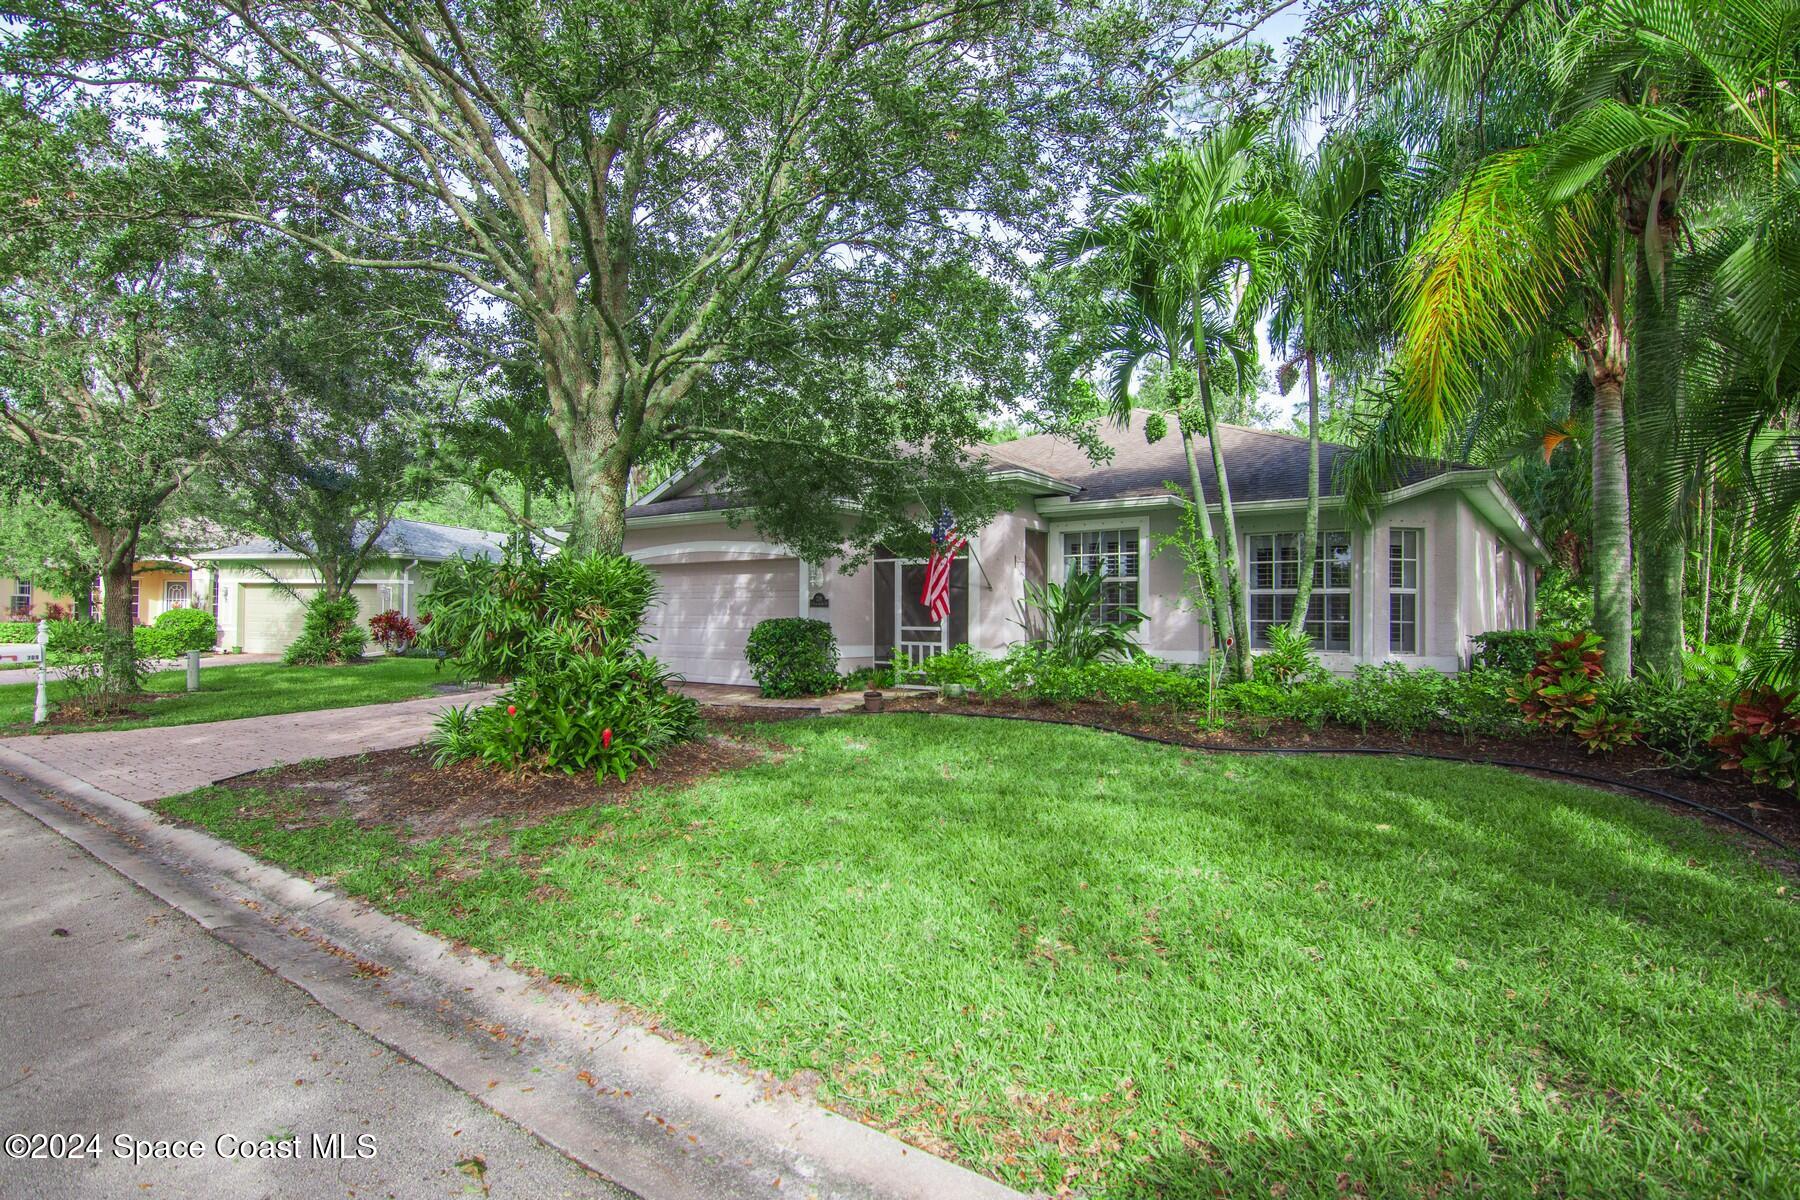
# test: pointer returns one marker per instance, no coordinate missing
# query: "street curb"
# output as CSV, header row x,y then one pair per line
x,y
653,1117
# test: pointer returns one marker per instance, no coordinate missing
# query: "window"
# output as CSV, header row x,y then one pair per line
x,y
1403,591
1111,553
21,597
1274,578
134,601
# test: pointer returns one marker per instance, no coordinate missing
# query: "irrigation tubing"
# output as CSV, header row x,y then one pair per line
x,y
1390,751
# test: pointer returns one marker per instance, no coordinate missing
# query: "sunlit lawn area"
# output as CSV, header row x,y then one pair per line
x,y
251,690
1067,958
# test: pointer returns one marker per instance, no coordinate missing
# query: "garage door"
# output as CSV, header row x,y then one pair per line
x,y
272,618
705,612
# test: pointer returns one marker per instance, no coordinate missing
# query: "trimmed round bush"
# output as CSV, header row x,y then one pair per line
x,y
793,656
176,632
329,633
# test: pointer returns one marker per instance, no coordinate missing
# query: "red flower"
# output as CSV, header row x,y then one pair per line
x,y
606,739
512,710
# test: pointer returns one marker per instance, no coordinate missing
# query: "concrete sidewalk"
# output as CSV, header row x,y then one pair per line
x,y
147,764
207,661
120,1016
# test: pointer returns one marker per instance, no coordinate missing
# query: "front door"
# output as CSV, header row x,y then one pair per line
x,y
174,593
904,631
920,636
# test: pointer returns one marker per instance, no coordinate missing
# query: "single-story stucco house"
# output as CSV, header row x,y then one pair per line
x,y
1448,556
157,585
257,615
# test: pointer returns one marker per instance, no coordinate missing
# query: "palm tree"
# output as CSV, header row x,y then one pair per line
x,y
1186,252
1335,272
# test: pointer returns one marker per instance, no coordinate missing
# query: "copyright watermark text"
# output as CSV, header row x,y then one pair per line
x,y
126,1147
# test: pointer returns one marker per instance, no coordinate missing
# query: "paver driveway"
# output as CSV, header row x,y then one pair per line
x,y
146,764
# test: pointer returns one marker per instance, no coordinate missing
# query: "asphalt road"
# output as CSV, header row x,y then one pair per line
x,y
121,1018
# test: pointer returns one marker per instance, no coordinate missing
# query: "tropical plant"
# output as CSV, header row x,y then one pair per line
x,y
1079,625
393,631
329,633
567,633
1336,276
1289,658
1761,737
1185,251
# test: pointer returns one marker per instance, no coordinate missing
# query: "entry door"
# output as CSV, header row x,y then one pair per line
x,y
174,593
920,636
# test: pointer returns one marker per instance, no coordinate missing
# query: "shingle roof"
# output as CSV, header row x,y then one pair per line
x,y
1261,464
423,540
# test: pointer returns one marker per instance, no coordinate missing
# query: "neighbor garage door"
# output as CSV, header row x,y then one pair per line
x,y
272,618
705,612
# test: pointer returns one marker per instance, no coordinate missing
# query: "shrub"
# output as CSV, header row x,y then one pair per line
x,y
1076,628
1289,658
1478,703
1761,738
1562,692
176,632
584,695
329,633
393,631
1515,651
1676,722
72,642
18,631
494,618
1393,695
1144,680
793,656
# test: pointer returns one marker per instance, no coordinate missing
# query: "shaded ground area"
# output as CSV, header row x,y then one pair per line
x,y
118,1015
1776,812
1076,961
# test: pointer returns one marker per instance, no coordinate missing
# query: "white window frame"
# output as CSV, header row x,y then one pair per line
x,y
1059,555
21,591
1416,591
1323,590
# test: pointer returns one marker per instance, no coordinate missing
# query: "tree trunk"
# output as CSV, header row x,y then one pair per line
x,y
118,657
1228,560
1221,602
1662,565
1611,560
1706,558
598,522
1308,548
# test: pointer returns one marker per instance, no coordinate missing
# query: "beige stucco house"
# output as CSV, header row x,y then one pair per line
x,y
1447,556
157,585
259,586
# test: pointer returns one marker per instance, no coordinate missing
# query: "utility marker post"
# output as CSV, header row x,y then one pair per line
x,y
193,664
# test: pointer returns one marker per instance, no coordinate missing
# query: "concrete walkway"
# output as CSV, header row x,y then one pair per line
x,y
147,764
29,674
732,695
119,1015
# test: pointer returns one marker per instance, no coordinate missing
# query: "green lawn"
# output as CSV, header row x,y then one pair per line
x,y
251,690
1065,957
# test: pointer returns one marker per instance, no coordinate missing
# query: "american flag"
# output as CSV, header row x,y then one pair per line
x,y
945,542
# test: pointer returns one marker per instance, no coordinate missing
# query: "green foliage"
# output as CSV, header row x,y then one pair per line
x,y
1071,623
1761,738
1289,658
793,656
1512,650
1562,693
566,632
1565,602
18,631
1393,696
330,633
177,631
1676,721
73,639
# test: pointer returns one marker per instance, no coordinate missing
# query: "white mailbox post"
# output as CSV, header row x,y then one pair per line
x,y
41,710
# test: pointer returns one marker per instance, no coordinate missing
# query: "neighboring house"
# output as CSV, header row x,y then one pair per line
x,y
157,585
257,588
1448,556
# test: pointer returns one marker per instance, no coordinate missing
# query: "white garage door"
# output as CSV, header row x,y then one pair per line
x,y
272,618
705,611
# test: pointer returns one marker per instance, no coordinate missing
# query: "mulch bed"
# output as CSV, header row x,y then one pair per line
x,y
401,790
1775,812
